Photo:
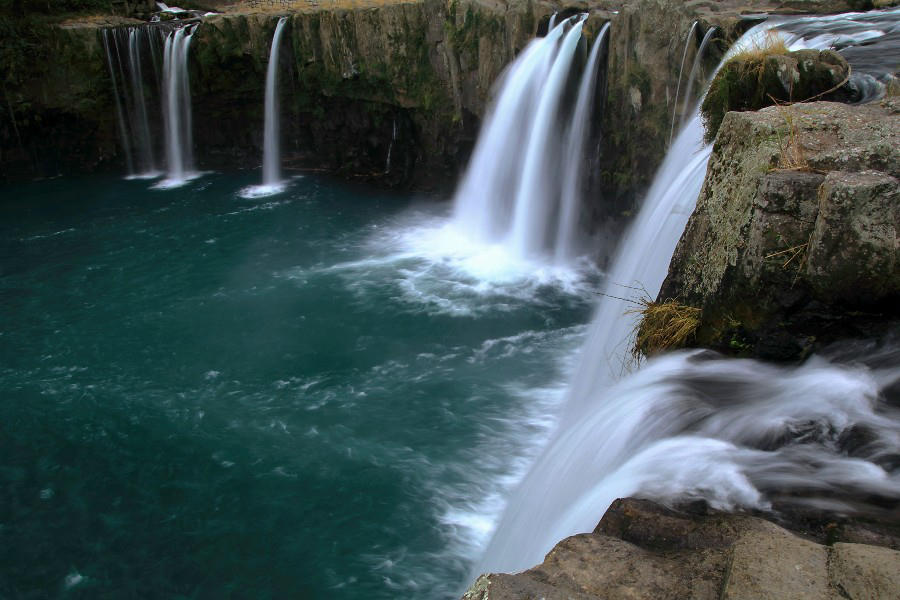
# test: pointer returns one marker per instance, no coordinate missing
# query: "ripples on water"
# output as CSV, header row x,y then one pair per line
x,y
310,395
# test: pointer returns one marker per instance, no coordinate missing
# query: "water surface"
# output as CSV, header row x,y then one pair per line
x,y
321,394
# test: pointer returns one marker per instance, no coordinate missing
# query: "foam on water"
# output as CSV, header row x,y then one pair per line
x,y
439,269
171,183
736,433
262,190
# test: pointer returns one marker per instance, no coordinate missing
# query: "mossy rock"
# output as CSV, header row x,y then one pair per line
x,y
754,80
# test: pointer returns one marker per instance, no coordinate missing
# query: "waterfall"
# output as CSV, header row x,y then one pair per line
x,y
387,162
271,180
695,70
532,209
123,132
271,155
566,234
483,202
136,37
516,191
177,109
687,45
733,432
125,57
687,426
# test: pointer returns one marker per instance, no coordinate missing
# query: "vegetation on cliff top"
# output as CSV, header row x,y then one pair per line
x,y
770,74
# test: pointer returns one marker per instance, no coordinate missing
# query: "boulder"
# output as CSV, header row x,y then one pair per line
x,y
853,249
759,78
642,550
794,239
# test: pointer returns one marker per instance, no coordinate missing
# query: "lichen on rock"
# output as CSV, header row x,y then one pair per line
x,y
641,550
771,75
782,259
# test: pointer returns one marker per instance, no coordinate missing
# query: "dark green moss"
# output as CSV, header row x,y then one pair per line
x,y
745,84
757,80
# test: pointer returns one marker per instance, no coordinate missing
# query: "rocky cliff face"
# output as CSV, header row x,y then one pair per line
x,y
57,114
641,550
407,77
413,77
794,240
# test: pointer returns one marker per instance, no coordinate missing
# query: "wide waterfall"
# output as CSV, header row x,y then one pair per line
x,y
271,181
691,425
522,187
177,109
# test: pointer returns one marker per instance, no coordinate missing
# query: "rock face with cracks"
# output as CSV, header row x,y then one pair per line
x,y
794,240
759,79
643,551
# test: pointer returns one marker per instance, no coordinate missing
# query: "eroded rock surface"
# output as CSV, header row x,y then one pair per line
x,y
641,550
794,240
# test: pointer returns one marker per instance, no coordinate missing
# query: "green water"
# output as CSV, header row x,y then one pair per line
x,y
290,397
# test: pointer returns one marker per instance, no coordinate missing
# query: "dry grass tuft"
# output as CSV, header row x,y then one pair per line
x,y
772,44
791,154
663,326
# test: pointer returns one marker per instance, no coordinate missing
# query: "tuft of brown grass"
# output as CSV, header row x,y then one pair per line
x,y
791,154
771,45
663,326
742,82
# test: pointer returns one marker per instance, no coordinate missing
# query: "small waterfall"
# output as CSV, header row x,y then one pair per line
x,y
516,189
695,70
137,38
687,45
177,109
271,180
271,154
566,234
387,162
126,50
123,132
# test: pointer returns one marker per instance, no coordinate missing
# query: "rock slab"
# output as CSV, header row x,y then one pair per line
x,y
643,551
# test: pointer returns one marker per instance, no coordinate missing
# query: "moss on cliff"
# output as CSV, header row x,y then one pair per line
x,y
766,76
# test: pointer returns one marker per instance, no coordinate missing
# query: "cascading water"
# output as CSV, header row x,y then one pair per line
x,y
131,97
272,182
737,433
177,109
692,77
532,209
387,161
123,132
731,432
687,46
513,193
138,37
574,157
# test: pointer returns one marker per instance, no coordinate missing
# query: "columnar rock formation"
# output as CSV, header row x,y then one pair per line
x,y
641,550
794,241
